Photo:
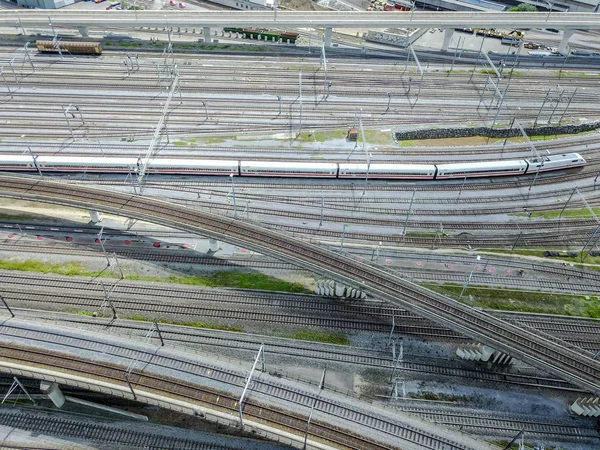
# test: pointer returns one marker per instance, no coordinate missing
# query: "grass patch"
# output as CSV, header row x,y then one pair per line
x,y
217,279
516,446
554,213
80,312
31,265
319,336
378,137
229,279
195,324
211,139
423,233
17,216
179,143
515,300
441,397
372,136
591,262
321,136
449,142
481,140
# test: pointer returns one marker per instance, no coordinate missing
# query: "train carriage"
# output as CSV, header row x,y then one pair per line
x,y
193,166
288,169
268,35
482,169
72,47
253,33
555,162
388,171
87,164
16,162
289,37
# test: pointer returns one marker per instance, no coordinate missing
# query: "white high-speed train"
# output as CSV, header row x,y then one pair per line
x,y
26,163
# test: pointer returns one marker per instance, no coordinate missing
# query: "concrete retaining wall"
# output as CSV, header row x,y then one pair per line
x,y
437,133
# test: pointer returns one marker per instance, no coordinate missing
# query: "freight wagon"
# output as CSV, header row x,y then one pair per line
x,y
72,47
264,34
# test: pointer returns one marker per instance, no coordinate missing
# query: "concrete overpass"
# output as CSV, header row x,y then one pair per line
x,y
568,22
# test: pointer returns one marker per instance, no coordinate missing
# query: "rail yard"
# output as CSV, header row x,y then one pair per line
x,y
246,236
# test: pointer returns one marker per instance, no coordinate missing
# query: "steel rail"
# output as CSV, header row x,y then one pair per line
x,y
581,370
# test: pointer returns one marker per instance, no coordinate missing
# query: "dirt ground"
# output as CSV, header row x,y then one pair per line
x,y
301,5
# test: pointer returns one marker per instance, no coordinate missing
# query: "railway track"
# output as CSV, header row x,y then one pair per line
x,y
163,301
300,352
270,400
513,150
476,422
92,430
125,116
177,257
579,369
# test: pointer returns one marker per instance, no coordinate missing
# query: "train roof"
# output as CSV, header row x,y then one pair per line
x,y
389,167
190,163
87,160
17,159
487,165
283,165
549,158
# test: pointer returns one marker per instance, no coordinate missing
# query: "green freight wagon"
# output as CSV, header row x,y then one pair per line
x,y
269,35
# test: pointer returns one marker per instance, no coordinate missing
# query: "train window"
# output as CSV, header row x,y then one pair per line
x,y
575,160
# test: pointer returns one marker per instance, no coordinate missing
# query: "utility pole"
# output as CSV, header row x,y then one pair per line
x,y
233,195
477,60
542,107
565,205
322,206
389,102
535,178
35,163
466,284
461,188
409,211
300,97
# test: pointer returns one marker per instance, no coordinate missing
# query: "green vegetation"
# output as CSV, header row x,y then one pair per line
x,y
217,279
554,213
480,140
441,397
423,233
30,265
17,216
195,324
515,300
523,7
214,139
130,44
319,336
526,446
591,262
378,137
321,136
372,136
80,312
